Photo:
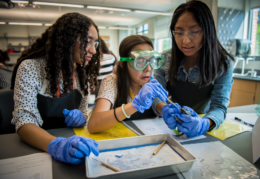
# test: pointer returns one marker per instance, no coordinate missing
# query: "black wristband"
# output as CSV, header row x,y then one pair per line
x,y
115,115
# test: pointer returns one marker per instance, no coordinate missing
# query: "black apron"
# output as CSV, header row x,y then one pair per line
x,y
51,108
189,94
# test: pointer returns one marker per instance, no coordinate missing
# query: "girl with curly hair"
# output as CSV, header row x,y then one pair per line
x,y
129,93
51,81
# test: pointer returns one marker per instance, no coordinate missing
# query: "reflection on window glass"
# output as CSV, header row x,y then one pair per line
x,y
145,26
255,34
163,44
143,29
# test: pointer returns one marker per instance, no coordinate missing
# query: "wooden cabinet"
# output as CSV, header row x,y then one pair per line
x,y
106,39
257,95
244,92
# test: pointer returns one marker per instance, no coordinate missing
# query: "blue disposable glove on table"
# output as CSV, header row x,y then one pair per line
x,y
146,95
73,149
74,118
169,112
193,125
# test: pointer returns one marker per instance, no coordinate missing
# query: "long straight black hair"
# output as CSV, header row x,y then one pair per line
x,y
212,56
123,77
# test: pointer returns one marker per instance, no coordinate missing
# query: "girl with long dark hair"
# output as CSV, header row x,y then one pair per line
x,y
51,81
129,93
197,72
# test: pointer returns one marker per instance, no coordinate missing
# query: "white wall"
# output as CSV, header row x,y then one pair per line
x,y
151,27
254,4
113,34
162,27
123,34
36,31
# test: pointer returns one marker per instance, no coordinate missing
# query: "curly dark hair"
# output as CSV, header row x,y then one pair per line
x,y
122,73
56,46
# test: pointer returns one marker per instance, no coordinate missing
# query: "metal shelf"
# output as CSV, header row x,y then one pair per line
x,y
15,53
17,45
13,37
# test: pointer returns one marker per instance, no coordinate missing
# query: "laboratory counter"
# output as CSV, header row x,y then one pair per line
x,y
12,146
251,78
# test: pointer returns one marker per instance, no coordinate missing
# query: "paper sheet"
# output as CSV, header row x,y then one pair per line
x,y
228,129
118,131
158,126
34,166
247,117
215,161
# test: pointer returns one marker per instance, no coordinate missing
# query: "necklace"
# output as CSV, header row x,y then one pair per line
x,y
58,86
132,94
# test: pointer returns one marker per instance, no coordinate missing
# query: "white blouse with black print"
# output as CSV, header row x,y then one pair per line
x,y
31,81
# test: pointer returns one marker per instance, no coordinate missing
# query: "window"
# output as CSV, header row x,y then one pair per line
x,y
163,44
255,31
143,29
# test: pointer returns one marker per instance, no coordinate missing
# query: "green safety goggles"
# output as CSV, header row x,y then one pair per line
x,y
139,59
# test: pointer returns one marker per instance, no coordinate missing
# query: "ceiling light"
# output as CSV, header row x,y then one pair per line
x,y
57,4
2,22
25,23
121,28
101,27
17,1
47,24
151,12
108,8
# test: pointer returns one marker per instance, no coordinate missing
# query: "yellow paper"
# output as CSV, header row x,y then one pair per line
x,y
228,129
118,131
89,114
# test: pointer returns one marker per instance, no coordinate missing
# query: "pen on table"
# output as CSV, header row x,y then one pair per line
x,y
109,166
240,120
155,152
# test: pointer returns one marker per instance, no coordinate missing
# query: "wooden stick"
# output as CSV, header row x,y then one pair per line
x,y
109,166
159,147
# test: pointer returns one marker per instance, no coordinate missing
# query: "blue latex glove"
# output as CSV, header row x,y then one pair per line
x,y
74,118
169,112
148,92
72,150
193,125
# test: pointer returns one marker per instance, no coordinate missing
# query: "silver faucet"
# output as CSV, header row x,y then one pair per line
x,y
243,67
252,71
250,58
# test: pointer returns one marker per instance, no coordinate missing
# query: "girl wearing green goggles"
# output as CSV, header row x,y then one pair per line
x,y
139,59
129,92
